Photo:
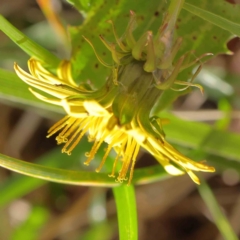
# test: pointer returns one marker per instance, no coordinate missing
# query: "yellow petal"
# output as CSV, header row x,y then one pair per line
x,y
45,99
74,111
173,170
193,176
94,108
64,73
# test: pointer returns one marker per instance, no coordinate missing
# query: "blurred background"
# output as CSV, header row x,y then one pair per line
x,y
34,209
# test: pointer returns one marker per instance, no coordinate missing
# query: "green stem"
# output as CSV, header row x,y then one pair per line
x,y
127,212
27,45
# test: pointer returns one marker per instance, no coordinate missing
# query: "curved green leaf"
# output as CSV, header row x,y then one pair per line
x,y
18,185
23,184
56,174
141,176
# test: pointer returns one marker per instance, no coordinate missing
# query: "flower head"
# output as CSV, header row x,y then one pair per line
x,y
119,113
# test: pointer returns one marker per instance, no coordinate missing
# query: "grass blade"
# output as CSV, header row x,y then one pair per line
x,y
218,216
213,18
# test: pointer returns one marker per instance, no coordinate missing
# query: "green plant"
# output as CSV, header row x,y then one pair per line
x,y
198,24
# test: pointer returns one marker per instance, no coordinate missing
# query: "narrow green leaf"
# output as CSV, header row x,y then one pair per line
x,y
215,19
145,175
19,185
27,45
218,216
126,212
57,175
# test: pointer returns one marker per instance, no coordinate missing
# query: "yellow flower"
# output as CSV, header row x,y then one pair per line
x,y
119,113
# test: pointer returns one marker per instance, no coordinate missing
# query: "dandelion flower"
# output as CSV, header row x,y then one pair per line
x,y
119,113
